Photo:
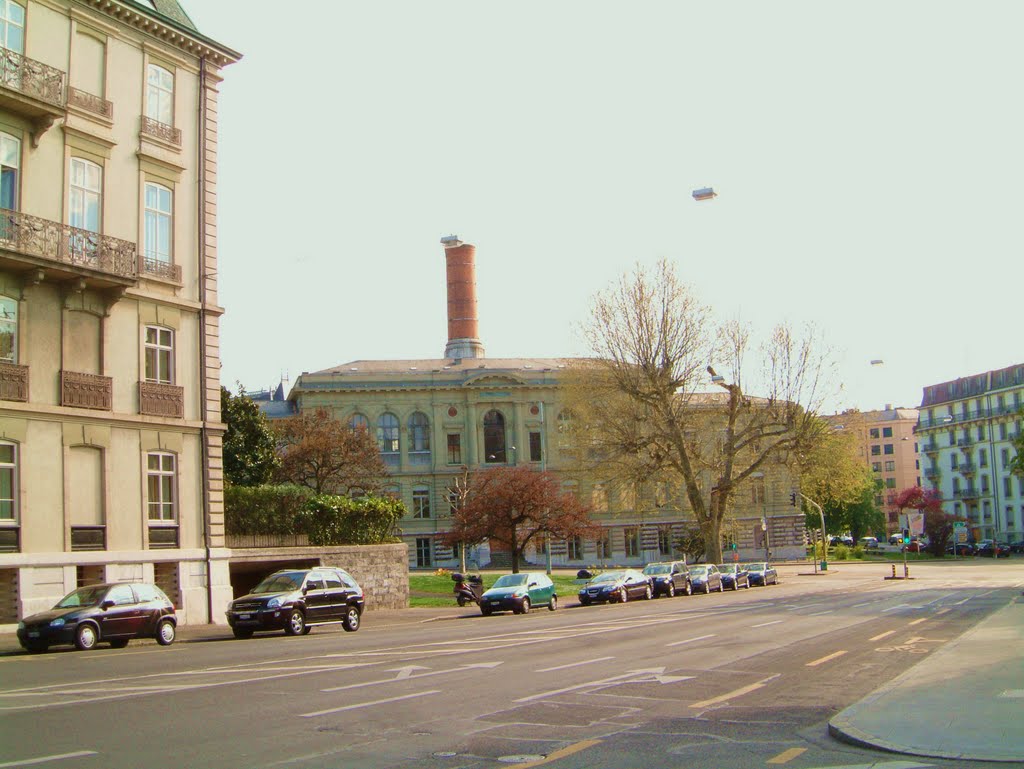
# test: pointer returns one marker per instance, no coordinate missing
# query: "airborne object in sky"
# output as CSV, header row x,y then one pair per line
x,y
704,193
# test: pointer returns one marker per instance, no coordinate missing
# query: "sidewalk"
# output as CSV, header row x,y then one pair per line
x,y
965,701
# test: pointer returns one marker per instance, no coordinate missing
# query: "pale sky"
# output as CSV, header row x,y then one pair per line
x,y
867,156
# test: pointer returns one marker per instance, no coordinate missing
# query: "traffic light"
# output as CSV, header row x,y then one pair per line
x,y
732,545
906,536
792,499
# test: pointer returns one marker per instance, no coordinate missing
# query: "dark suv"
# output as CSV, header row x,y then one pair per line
x,y
114,612
670,578
294,600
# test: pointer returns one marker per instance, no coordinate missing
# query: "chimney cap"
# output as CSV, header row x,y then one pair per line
x,y
451,241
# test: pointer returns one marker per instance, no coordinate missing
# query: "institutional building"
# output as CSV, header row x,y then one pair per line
x,y
965,431
435,419
110,432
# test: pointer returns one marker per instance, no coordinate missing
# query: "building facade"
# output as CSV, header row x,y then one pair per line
x,y
965,430
110,428
437,419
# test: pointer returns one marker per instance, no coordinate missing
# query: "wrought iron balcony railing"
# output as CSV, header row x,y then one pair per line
x,y
13,382
86,391
31,78
33,236
161,400
158,268
167,133
90,102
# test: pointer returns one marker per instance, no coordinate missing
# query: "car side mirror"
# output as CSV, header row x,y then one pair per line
x,y
533,584
106,604
305,589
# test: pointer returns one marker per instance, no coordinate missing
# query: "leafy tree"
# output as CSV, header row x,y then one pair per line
x,y
513,506
327,456
642,400
859,516
1017,463
938,524
250,448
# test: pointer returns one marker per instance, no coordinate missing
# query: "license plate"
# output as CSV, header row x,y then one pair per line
x,y
33,634
244,616
495,603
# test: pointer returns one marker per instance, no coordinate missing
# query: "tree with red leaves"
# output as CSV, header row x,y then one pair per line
x,y
938,524
512,506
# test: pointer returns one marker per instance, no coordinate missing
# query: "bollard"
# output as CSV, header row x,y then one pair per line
x,y
906,571
894,571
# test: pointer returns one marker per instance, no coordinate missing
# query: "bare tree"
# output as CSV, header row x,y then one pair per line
x,y
647,406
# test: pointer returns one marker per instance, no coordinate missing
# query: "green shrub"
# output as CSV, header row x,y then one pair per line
x,y
858,551
264,509
334,520
841,553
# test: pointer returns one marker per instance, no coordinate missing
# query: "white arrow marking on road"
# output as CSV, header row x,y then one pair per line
x,y
368,704
406,671
45,759
405,674
636,675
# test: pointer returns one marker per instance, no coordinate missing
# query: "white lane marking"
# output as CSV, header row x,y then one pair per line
x,y
368,704
882,635
691,640
826,658
858,605
45,759
880,765
634,674
942,611
961,603
766,624
405,674
573,664
982,595
819,613
737,693
1015,693
918,621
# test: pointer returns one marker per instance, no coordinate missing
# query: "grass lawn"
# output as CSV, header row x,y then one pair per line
x,y
427,589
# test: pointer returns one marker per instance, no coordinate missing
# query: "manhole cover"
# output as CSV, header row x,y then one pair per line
x,y
522,759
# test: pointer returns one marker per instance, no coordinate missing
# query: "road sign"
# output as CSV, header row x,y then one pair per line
x,y
916,521
960,533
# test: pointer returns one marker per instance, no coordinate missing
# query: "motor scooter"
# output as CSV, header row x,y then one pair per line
x,y
468,589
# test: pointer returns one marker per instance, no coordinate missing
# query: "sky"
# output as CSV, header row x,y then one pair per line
x,y
867,158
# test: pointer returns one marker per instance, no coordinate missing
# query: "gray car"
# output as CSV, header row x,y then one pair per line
x,y
705,578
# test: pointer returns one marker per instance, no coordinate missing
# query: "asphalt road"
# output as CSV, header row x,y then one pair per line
x,y
741,679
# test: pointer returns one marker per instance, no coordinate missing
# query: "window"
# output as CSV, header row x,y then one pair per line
x,y
159,355
890,466
358,422
85,194
494,437
982,458
159,95
8,330
10,162
1002,431
888,449
886,432
157,245
12,26
890,483
8,482
453,502
632,541
604,545
664,540
756,492
387,438
160,475
423,552
599,498
420,502
565,429
876,467
954,461
419,439
873,432
454,449
1007,487
876,450
575,546
536,452
1004,456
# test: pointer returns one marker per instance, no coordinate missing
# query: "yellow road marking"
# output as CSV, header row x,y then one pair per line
x,y
787,755
562,753
918,621
832,656
882,635
734,694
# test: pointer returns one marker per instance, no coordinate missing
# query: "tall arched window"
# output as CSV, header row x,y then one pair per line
x,y
358,422
494,437
419,439
565,426
387,438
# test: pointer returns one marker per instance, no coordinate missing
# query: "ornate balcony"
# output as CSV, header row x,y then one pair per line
x,y
158,268
31,89
161,131
161,400
13,382
967,468
90,103
931,472
969,493
86,391
66,252
930,448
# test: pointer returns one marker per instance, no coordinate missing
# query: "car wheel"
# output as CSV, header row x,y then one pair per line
x,y
461,600
648,594
584,602
707,588
623,595
243,634
307,630
165,632
86,637
553,603
296,623
735,585
747,586
119,643
671,592
352,619
721,588
689,588
526,606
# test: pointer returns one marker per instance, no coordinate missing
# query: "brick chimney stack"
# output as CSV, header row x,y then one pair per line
x,y
463,334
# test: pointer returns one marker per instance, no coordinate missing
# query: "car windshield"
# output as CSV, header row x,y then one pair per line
x,y
84,596
658,568
280,583
608,576
727,568
699,570
510,580
754,566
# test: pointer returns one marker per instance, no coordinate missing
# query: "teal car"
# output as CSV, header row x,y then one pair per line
x,y
518,592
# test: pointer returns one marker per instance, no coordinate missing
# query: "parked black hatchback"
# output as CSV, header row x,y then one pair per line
x,y
113,612
294,600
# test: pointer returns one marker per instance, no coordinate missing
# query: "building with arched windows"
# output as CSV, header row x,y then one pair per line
x,y
110,432
434,419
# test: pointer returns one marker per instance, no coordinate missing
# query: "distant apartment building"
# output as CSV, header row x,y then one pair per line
x,y
110,429
965,431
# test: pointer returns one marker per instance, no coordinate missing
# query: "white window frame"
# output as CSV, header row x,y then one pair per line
x,y
421,502
164,508
424,552
9,326
10,162
12,469
161,348
81,191
153,218
160,94
7,21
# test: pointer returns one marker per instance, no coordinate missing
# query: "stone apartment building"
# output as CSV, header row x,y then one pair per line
x,y
436,418
110,428
965,430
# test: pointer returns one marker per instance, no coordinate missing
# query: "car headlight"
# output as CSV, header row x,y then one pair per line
x,y
273,603
59,622
21,626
